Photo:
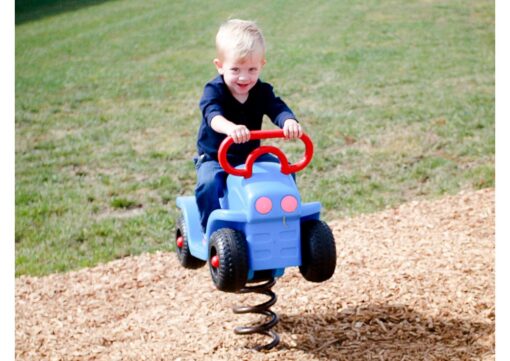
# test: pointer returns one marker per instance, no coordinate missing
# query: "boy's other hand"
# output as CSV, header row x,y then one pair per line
x,y
292,129
240,134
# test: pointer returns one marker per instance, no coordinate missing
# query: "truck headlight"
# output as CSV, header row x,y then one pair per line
x,y
263,205
289,203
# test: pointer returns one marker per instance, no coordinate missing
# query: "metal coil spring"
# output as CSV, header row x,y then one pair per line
x,y
263,309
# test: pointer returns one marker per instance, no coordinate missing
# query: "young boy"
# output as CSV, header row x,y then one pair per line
x,y
233,104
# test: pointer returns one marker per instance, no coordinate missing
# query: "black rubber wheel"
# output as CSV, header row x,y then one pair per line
x,y
230,272
183,254
318,251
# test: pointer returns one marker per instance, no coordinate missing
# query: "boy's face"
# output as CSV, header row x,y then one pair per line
x,y
240,75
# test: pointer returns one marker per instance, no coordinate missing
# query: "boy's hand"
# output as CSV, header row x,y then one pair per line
x,y
292,129
240,134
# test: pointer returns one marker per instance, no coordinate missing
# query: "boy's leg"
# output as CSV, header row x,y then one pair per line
x,y
210,186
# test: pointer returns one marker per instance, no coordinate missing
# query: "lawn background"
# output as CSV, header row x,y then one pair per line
x,y
398,97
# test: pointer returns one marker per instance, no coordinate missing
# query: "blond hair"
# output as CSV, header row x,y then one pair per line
x,y
240,38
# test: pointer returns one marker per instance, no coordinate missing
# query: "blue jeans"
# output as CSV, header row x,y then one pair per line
x,y
211,182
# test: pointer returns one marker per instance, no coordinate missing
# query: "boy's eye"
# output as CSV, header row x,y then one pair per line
x,y
252,70
235,70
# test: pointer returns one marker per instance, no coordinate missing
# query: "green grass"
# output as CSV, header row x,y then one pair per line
x,y
398,97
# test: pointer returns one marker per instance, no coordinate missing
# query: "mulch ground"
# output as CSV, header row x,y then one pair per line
x,y
412,283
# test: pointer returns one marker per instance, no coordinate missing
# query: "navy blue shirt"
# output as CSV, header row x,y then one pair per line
x,y
217,100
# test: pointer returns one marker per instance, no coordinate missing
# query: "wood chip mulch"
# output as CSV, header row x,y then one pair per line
x,y
412,283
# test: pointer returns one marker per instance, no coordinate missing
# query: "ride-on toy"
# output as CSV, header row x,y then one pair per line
x,y
261,229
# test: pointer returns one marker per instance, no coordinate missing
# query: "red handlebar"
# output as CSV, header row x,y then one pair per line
x,y
286,168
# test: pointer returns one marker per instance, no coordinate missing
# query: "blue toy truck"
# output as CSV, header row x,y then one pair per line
x,y
262,226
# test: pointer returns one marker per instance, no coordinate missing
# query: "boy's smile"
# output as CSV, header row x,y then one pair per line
x,y
240,75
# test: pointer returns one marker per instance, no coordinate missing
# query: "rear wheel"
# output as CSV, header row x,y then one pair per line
x,y
318,251
228,260
182,247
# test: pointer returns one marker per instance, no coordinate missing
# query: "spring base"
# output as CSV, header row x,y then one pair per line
x,y
262,309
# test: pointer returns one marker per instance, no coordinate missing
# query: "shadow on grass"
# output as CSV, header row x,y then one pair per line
x,y
389,332
30,10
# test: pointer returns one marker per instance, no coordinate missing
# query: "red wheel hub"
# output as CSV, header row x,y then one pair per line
x,y
215,261
180,241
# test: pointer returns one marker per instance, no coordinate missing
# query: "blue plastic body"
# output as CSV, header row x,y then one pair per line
x,y
273,239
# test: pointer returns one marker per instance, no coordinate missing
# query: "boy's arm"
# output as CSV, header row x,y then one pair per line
x,y
239,133
280,114
212,110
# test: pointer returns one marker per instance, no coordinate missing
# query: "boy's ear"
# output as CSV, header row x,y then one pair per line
x,y
219,65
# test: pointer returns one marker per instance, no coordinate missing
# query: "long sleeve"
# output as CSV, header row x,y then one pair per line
x,y
275,107
211,103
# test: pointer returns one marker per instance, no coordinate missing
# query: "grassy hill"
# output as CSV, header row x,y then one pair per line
x,y
398,97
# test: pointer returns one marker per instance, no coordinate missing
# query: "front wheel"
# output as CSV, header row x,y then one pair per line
x,y
318,251
228,260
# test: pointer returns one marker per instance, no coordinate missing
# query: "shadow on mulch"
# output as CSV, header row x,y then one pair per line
x,y
395,332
